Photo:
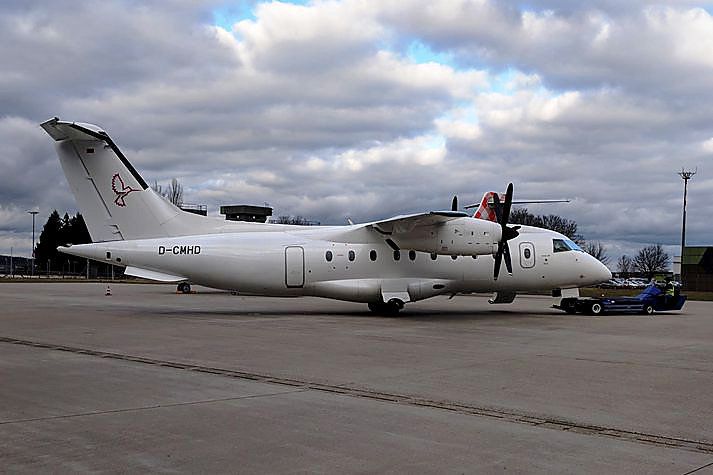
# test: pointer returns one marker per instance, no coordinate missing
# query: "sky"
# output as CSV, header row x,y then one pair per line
x,y
372,108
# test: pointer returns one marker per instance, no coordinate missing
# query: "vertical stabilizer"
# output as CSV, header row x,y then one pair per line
x,y
486,210
115,201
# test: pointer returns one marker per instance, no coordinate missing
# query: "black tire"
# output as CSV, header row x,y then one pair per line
x,y
596,308
648,309
569,306
184,288
390,308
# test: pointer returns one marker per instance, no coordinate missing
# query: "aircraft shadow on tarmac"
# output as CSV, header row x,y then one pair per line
x,y
406,315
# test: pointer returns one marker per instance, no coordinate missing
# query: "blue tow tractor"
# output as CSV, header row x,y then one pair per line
x,y
651,299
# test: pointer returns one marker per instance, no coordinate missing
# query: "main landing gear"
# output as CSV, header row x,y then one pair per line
x,y
391,307
183,288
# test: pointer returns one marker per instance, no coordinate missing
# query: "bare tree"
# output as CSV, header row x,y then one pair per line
x,y
565,226
556,223
651,259
158,189
298,220
522,216
597,250
174,192
625,265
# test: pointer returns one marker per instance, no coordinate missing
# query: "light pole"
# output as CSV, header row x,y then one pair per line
x,y
686,175
33,212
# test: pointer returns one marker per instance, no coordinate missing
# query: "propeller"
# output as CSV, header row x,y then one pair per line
x,y
454,203
503,214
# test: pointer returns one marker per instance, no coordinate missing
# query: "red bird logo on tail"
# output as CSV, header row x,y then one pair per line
x,y
121,190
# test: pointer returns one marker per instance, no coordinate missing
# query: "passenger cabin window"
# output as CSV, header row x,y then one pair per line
x,y
328,256
434,256
412,255
372,255
397,255
564,245
352,255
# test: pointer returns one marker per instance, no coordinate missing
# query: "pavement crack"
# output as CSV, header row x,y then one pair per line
x,y
513,416
146,408
699,468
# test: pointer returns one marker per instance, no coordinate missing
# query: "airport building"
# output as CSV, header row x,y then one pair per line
x,y
254,214
697,268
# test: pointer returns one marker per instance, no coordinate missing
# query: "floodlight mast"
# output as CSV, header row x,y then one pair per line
x,y
686,175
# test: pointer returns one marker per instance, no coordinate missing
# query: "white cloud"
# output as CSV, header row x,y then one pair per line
x,y
319,110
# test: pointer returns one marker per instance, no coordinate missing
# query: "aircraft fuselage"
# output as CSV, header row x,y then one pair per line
x,y
308,263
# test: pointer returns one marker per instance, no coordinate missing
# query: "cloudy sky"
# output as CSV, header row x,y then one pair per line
x,y
371,108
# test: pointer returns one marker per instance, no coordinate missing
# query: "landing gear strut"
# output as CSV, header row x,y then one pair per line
x,y
184,288
391,307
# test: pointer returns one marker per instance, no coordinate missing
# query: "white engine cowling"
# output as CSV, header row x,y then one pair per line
x,y
459,237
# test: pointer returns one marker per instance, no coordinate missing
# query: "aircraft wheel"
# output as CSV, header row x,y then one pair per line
x,y
389,308
568,306
596,308
648,309
184,288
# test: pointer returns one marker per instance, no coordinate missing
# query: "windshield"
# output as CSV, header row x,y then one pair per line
x,y
563,245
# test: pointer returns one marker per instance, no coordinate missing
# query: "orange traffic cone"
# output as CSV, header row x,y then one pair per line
x,y
108,291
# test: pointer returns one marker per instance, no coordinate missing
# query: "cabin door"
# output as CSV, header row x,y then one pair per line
x,y
294,266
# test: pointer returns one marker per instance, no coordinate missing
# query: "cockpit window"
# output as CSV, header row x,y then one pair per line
x,y
563,245
573,245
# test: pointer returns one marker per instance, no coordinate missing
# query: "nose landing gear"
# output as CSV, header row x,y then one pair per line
x,y
391,307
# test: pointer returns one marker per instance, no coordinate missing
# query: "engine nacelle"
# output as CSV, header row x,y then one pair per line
x,y
459,237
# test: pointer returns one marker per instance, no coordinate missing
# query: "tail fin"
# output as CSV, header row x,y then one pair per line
x,y
115,201
486,210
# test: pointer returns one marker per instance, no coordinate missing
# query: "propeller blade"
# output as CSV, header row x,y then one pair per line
x,y
454,203
506,254
506,207
502,212
498,207
498,260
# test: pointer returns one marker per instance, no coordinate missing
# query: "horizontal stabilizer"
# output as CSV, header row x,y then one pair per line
x,y
152,275
61,130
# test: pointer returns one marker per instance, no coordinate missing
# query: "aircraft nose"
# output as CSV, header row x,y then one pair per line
x,y
598,271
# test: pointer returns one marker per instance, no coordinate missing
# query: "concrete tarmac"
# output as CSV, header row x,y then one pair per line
x,y
148,380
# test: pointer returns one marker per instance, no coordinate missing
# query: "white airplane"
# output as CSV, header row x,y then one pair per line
x,y
383,263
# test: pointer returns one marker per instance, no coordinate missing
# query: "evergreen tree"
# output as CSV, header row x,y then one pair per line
x,y
60,232
79,233
46,249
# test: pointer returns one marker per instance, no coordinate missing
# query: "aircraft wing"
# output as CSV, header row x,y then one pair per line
x,y
407,223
